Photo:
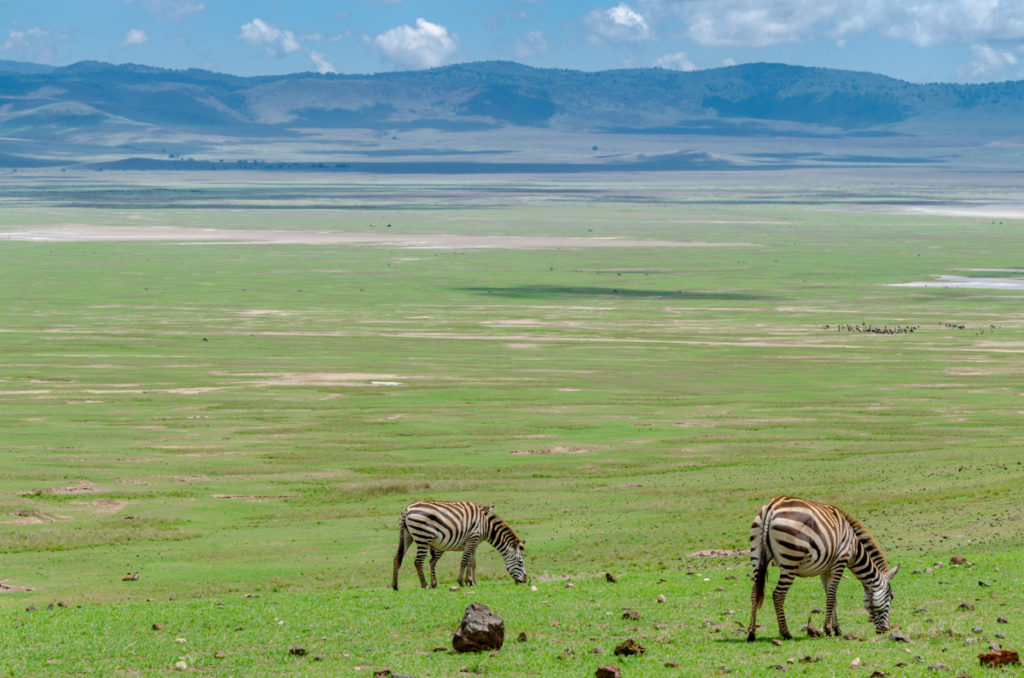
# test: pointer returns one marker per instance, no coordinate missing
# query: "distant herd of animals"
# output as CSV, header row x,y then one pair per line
x,y
803,538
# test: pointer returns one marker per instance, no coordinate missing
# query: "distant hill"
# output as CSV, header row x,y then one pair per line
x,y
99,112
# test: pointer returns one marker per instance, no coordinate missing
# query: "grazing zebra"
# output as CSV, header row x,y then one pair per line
x,y
806,539
439,526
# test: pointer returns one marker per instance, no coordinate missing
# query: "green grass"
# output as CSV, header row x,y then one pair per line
x,y
231,419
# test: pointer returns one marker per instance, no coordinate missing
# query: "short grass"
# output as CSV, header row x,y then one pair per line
x,y
242,424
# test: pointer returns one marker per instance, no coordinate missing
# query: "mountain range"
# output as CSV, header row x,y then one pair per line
x,y
491,115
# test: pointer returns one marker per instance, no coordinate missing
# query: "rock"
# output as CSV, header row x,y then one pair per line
x,y
608,671
877,674
629,647
181,665
533,587
631,614
382,673
453,588
899,637
777,643
220,654
939,667
596,650
671,665
297,651
610,578
855,664
522,637
569,585
1001,657
958,560
158,627
977,629
661,598
1001,620
965,606
480,630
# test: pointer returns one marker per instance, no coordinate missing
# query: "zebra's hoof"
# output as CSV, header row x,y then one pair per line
x,y
751,637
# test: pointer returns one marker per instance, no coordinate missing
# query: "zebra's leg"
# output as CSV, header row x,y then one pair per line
x,y
472,570
421,555
830,581
435,555
468,560
752,629
779,598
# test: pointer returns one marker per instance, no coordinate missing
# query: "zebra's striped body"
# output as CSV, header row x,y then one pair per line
x,y
807,539
439,526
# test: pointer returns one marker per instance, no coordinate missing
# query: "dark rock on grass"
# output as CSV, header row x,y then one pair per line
x,y
480,630
610,578
608,671
631,614
1001,657
899,637
1002,620
958,560
965,606
629,647
522,637
297,651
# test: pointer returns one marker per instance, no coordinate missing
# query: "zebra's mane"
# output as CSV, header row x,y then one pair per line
x,y
499,527
871,546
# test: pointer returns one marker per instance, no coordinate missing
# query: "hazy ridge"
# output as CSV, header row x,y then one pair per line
x,y
111,113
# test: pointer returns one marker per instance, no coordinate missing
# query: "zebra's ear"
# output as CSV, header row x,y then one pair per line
x,y
488,510
893,571
522,545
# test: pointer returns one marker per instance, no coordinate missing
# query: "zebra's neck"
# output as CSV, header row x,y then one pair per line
x,y
868,562
501,536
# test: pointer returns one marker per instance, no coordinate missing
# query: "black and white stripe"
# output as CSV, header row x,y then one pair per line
x,y
439,526
807,539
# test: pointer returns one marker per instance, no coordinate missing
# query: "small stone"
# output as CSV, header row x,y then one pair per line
x,y
850,636
569,585
777,643
958,560
522,638
965,606
631,614
1001,620
297,651
610,578
453,588
220,654
180,640
596,650
608,671
671,665
382,673
855,664
877,674
158,627
899,637
533,587
661,598
977,629
181,665
939,667
629,647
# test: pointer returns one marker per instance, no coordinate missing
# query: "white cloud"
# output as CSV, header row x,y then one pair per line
x,y
277,42
322,64
33,44
677,62
986,62
621,23
135,36
25,38
923,23
427,45
532,44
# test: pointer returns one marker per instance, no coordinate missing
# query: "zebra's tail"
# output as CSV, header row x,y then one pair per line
x,y
761,558
404,537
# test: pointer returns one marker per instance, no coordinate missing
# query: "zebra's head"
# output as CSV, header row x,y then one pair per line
x,y
878,599
515,563
511,547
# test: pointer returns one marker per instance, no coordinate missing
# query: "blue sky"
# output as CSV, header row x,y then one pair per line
x,y
916,40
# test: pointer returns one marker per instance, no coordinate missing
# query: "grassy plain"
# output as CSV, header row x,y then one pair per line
x,y
229,418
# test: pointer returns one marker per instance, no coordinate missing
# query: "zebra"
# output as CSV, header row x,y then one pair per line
x,y
805,538
439,526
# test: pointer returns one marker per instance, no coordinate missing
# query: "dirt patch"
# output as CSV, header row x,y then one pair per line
x,y
8,588
720,553
321,379
103,506
255,497
80,488
95,233
557,449
33,518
